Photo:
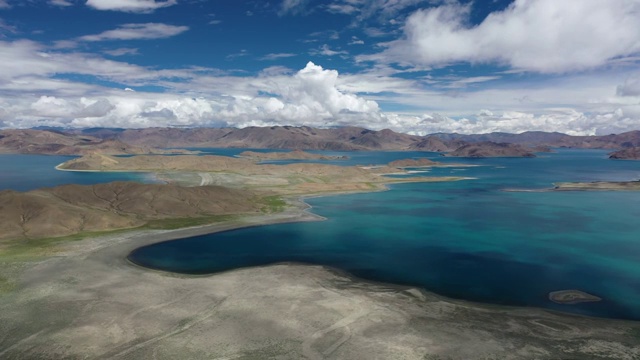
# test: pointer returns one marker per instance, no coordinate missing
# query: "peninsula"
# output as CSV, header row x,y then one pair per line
x,y
598,185
632,153
288,155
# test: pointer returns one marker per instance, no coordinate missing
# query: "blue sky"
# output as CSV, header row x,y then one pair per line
x,y
418,66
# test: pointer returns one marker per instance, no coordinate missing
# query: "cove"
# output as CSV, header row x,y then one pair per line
x,y
466,240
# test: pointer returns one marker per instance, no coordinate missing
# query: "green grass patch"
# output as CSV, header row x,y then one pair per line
x,y
5,285
171,224
272,204
19,250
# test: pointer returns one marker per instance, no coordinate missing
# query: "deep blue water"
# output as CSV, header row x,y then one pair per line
x,y
466,240
28,172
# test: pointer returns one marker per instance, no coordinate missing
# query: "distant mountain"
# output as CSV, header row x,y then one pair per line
x,y
437,144
135,141
275,137
491,149
53,142
539,138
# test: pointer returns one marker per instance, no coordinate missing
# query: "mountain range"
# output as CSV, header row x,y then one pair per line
x,y
149,140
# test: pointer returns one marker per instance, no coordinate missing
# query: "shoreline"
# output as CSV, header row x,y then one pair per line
x,y
93,302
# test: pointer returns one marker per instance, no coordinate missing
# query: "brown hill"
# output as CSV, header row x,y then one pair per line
x,y
57,143
553,139
491,149
434,143
632,153
72,209
275,137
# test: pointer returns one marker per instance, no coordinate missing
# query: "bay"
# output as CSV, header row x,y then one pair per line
x,y
466,240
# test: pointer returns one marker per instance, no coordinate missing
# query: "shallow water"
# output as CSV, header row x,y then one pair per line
x,y
467,239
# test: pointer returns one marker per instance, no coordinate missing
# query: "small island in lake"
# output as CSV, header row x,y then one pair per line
x,y
491,149
571,297
632,153
598,185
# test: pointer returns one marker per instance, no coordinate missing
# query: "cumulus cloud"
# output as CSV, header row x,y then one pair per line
x,y
567,121
545,36
138,32
40,86
134,6
308,97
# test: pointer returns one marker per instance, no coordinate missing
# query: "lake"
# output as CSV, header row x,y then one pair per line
x,y
466,240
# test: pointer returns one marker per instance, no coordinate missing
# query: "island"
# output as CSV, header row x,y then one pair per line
x,y
632,153
491,149
598,186
571,297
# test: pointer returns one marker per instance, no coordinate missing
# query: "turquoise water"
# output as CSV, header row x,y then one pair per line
x,y
466,240
28,172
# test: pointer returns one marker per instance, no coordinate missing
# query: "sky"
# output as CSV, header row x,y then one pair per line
x,y
413,66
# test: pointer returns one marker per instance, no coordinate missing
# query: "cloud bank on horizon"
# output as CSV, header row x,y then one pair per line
x,y
416,66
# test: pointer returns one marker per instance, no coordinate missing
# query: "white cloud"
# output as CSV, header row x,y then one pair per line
x,y
138,32
37,88
122,51
309,97
134,6
4,4
63,3
356,41
276,56
325,50
293,7
546,36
